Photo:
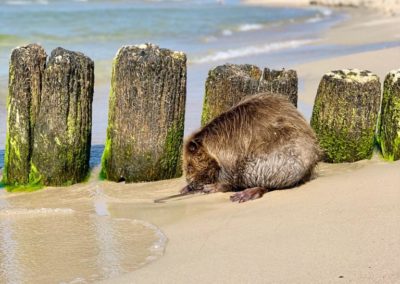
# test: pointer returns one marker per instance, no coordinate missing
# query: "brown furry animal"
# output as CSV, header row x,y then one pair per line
x,y
261,144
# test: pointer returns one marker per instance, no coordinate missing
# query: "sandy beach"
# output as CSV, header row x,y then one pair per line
x,y
342,227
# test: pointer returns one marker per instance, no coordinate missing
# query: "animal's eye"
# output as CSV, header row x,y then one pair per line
x,y
192,146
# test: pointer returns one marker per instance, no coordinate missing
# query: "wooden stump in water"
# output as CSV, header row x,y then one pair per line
x,y
227,85
26,70
146,115
345,114
62,137
389,130
284,82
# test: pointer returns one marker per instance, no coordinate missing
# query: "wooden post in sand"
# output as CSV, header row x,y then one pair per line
x,y
345,114
62,137
146,115
26,70
389,125
284,82
226,85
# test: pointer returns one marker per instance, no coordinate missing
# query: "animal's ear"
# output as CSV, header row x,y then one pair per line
x,y
193,146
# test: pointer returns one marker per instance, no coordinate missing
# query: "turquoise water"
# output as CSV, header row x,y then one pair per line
x,y
98,28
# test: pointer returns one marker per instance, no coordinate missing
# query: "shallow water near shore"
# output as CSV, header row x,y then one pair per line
x,y
67,235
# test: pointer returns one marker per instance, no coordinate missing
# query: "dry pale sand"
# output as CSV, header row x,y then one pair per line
x,y
342,227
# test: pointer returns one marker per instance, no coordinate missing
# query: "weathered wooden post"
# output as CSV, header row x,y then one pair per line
x,y
146,115
345,114
389,126
284,82
26,70
226,85
61,148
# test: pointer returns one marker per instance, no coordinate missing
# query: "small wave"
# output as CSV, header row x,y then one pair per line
x,y
35,212
227,32
158,247
251,50
27,2
314,20
249,27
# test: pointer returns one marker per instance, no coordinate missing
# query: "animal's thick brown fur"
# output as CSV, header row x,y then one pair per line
x,y
263,143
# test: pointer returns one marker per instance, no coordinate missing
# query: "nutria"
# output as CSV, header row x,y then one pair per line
x,y
261,144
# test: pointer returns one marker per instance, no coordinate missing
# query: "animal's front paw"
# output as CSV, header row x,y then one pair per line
x,y
186,190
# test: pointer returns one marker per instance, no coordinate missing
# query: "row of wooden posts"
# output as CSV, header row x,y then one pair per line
x,y
50,113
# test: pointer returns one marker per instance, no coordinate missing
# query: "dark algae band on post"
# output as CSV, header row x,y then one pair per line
x,y
345,114
146,115
389,122
49,118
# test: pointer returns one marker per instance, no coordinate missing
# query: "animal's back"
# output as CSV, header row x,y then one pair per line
x,y
262,142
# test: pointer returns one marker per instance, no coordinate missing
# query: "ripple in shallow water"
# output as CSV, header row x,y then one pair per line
x,y
59,245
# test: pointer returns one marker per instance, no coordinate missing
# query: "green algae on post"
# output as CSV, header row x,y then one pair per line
x,y
146,115
345,114
62,136
389,122
26,70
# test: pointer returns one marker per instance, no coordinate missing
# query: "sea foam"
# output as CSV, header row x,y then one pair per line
x,y
251,50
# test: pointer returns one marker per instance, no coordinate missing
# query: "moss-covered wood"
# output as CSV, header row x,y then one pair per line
x,y
345,114
226,85
62,137
26,70
146,115
284,82
389,126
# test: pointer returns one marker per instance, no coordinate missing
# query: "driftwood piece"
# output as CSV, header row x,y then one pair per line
x,y
146,115
62,137
345,114
26,70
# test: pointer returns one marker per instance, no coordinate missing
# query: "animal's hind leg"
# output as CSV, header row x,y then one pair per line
x,y
248,194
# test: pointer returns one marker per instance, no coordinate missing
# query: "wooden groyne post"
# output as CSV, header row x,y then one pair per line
x,y
26,69
49,118
62,139
146,115
389,122
345,114
228,84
